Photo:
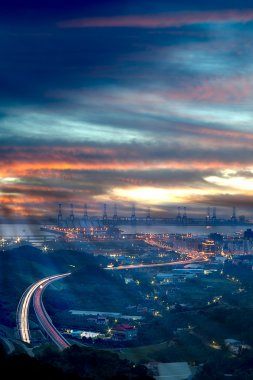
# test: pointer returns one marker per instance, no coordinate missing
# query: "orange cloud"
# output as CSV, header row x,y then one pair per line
x,y
34,184
21,169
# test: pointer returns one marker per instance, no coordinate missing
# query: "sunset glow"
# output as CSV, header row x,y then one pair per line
x,y
111,105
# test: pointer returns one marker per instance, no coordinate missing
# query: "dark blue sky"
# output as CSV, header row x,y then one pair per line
x,y
119,101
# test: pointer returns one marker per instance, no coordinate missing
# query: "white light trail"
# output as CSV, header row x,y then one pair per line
x,y
23,307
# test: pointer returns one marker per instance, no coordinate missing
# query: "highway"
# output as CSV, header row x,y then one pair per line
x,y
44,319
136,266
36,291
24,304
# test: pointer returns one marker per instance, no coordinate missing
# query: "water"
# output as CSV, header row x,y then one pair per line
x,y
22,230
31,230
28,232
194,230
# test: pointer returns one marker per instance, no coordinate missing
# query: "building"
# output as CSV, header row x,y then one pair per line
x,y
165,278
79,334
124,332
187,271
171,371
220,259
99,320
95,313
236,346
208,247
248,234
177,275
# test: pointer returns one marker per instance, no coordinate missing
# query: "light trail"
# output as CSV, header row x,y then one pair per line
x,y
23,307
136,266
44,318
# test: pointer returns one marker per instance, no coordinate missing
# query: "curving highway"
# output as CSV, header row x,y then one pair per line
x,y
36,291
45,320
24,304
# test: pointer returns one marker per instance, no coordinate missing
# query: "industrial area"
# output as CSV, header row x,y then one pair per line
x,y
182,217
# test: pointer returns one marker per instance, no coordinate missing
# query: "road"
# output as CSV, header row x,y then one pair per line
x,y
136,266
36,290
24,304
44,319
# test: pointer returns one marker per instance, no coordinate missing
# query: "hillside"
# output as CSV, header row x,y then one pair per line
x,y
89,286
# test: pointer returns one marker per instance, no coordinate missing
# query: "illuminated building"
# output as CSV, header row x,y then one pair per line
x,y
208,247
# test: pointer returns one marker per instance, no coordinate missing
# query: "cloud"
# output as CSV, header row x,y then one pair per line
x,y
232,90
240,183
243,202
161,20
163,106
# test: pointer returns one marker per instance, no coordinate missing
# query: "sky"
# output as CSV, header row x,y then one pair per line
x,y
125,101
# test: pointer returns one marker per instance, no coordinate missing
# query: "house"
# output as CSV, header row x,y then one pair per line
x,y
236,346
99,320
124,332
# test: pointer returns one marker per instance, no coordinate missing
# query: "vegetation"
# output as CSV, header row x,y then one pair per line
x,y
237,368
74,363
22,266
